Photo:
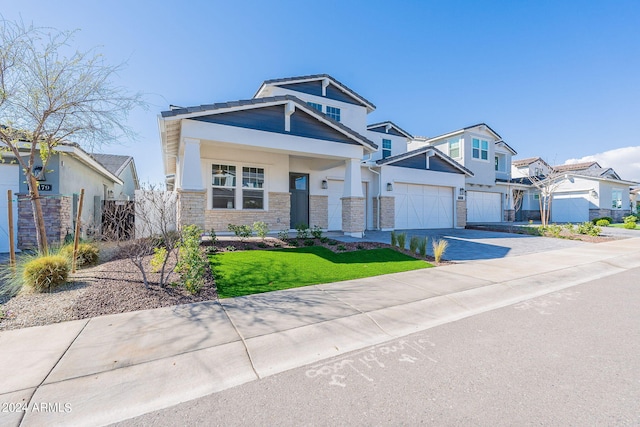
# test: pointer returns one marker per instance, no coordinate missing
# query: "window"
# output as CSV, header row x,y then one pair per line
x,y
480,149
252,188
497,163
315,106
334,113
454,148
223,194
386,148
616,199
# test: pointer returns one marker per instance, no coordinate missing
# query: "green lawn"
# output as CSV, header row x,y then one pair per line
x,y
252,272
621,226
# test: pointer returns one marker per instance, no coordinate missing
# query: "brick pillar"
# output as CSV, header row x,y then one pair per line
x,y
58,220
509,215
191,206
387,212
461,213
353,216
319,211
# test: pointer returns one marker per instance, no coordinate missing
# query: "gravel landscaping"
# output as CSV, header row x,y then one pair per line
x,y
115,286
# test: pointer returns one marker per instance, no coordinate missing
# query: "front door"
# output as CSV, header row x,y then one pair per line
x,y
299,189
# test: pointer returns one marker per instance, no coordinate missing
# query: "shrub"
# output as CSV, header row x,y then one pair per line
x,y
241,231
191,262
316,232
589,228
324,239
602,222
394,239
630,218
157,261
261,229
341,247
283,235
230,248
553,229
414,241
214,237
332,242
261,245
422,247
570,228
439,248
629,225
87,253
45,273
594,221
302,231
402,240
309,242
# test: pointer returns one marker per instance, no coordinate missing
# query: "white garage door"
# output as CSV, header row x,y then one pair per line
x,y
484,207
8,181
336,191
423,206
570,208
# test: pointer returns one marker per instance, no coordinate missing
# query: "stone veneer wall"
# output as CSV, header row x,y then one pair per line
x,y
277,217
190,207
56,211
616,214
353,214
509,215
319,211
530,215
461,213
387,212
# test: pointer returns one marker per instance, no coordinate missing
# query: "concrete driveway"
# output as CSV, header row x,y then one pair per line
x,y
470,245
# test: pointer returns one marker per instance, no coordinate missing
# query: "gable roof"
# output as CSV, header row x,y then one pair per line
x,y
201,110
114,163
422,150
529,160
575,166
390,124
315,77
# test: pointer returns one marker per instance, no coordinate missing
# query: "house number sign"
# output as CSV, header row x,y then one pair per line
x,y
44,187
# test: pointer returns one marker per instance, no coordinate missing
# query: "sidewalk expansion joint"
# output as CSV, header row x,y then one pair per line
x,y
35,390
356,309
244,342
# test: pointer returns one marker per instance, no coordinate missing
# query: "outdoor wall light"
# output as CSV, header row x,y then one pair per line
x,y
389,186
462,191
324,184
594,194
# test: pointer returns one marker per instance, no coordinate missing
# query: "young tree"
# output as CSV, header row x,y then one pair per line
x,y
546,186
50,94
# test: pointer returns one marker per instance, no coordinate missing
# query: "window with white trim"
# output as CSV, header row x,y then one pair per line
x,y
616,199
223,192
454,148
480,149
252,188
386,148
315,106
334,113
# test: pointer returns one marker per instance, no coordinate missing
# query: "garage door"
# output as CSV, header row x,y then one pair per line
x,y
423,206
8,181
570,208
484,207
336,191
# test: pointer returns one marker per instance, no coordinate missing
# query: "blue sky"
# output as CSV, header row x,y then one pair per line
x,y
555,79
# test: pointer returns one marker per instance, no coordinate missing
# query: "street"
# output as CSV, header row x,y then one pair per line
x,y
567,358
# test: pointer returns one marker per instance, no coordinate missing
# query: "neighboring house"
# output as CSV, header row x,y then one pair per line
x,y
482,151
124,168
532,166
634,196
69,170
301,152
584,191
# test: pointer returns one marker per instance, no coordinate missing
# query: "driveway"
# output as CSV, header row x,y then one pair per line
x,y
470,245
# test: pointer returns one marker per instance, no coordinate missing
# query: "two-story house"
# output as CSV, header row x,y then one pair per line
x,y
300,152
480,149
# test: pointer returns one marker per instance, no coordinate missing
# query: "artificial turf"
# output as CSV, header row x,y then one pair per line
x,y
252,272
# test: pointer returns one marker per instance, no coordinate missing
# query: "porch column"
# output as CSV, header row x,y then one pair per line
x,y
353,202
191,194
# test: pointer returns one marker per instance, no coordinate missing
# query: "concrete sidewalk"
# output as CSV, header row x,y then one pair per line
x,y
110,368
